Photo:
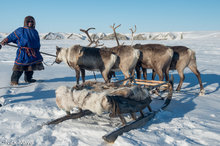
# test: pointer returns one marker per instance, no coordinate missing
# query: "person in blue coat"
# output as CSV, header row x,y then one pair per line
x,y
28,57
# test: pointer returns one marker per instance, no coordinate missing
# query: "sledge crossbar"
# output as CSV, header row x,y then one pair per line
x,y
149,81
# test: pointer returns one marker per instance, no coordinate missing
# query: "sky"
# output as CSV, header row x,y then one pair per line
x,y
148,15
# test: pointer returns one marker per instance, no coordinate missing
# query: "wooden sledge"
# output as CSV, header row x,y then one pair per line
x,y
144,118
127,106
151,83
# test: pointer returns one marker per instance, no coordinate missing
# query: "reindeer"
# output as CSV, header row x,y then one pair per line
x,y
128,59
184,57
87,58
122,58
128,56
154,56
96,42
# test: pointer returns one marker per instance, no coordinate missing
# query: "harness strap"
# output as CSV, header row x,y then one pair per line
x,y
30,51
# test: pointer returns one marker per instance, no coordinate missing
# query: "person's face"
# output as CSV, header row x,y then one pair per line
x,y
30,23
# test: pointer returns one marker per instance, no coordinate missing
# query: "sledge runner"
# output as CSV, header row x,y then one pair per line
x,y
28,57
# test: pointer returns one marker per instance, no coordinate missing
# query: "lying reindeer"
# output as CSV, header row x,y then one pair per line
x,y
87,58
184,57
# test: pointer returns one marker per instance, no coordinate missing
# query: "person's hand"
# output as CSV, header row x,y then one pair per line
x,y
3,42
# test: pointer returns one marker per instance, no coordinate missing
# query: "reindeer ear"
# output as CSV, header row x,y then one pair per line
x,y
58,48
109,99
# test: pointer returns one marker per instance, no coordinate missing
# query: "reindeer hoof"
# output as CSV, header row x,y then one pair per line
x,y
202,92
177,91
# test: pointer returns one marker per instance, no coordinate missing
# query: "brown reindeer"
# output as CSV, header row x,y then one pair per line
x,y
77,59
184,57
128,59
87,58
91,40
154,56
128,56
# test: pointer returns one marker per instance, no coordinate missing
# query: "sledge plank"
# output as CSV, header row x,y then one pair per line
x,y
111,137
149,81
151,84
71,116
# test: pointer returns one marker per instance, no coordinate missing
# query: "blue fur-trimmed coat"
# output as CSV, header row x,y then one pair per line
x,y
28,42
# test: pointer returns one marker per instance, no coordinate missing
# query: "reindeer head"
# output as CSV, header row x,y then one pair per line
x,y
59,55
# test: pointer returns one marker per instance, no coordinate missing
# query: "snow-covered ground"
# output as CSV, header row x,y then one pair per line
x,y
189,119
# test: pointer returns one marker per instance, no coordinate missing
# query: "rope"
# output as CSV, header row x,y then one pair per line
x,y
50,64
48,54
94,75
40,52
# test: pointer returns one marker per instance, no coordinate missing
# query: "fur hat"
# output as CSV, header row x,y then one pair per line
x,y
29,18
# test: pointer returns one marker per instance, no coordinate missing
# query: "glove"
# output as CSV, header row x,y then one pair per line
x,y
5,41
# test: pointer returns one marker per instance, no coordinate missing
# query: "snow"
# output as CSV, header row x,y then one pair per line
x,y
75,36
189,119
53,36
3,35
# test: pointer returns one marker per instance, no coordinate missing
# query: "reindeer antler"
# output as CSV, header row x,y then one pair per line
x,y
90,39
114,28
132,34
86,32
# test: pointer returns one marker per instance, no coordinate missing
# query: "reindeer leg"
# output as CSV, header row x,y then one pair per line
x,y
122,119
142,113
132,72
110,75
77,75
113,74
160,73
105,76
149,108
133,115
83,74
125,82
144,73
167,74
137,68
126,75
153,74
197,73
182,77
